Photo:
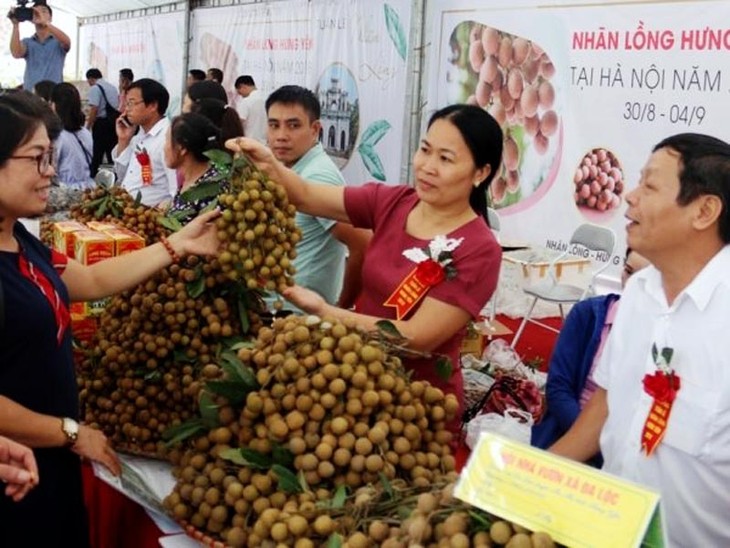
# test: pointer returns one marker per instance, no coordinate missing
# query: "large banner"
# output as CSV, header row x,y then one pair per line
x,y
352,54
582,93
153,47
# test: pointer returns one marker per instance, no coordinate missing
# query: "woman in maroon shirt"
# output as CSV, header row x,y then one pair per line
x,y
445,210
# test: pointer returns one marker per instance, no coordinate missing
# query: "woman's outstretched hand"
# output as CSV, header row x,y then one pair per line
x,y
306,299
199,236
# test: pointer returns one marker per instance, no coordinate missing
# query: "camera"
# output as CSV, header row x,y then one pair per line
x,y
23,13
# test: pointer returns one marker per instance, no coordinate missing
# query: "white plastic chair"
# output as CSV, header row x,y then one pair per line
x,y
592,237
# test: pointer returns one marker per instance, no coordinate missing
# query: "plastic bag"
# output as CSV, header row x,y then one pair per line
x,y
513,392
502,358
514,424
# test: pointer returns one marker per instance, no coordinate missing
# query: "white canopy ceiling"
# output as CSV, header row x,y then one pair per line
x,y
92,8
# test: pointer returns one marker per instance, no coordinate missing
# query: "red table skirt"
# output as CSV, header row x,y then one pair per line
x,y
114,520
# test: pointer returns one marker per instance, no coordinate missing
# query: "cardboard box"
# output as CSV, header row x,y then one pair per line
x,y
62,236
101,226
83,331
125,241
90,246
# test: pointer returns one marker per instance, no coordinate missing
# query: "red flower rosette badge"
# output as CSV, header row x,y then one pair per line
x,y
433,266
143,158
662,385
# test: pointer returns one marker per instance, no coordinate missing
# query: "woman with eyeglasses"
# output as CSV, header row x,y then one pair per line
x,y
39,404
576,354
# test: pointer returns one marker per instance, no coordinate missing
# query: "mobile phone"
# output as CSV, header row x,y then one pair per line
x,y
125,121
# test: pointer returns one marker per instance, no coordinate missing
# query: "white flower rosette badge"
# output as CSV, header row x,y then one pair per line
x,y
434,264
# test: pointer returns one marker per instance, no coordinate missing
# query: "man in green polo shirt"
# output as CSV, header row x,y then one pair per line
x,y
329,255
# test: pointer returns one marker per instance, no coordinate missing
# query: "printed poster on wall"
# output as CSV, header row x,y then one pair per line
x,y
352,54
583,93
151,46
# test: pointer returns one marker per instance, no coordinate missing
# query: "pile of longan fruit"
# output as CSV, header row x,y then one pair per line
x,y
514,87
142,373
125,212
599,180
343,410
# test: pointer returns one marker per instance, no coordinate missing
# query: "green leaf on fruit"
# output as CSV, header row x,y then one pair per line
x,y
255,459
335,541
237,370
444,368
339,498
233,455
282,456
387,487
197,287
170,223
208,410
181,432
233,391
388,328
202,191
395,30
287,480
219,157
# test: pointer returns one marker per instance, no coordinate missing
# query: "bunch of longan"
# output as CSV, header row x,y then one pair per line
x,y
142,374
115,205
513,85
438,519
258,232
346,413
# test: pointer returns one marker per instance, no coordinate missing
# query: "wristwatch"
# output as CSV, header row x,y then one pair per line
x,y
70,429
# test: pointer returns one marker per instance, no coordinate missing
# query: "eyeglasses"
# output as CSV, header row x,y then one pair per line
x,y
132,102
44,160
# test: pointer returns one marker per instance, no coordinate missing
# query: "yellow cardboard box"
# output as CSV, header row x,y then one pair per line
x,y
90,246
125,241
62,236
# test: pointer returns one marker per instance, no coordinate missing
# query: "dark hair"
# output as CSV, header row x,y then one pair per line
x,y
152,92
67,102
44,88
127,73
39,4
245,80
216,74
22,113
296,95
207,89
94,73
704,170
223,116
197,74
195,133
484,138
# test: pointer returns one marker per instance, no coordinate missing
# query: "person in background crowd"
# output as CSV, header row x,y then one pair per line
x,y
74,147
293,136
139,157
215,74
679,219
43,89
578,350
446,209
44,52
252,108
39,400
18,468
189,137
126,77
209,99
102,98
195,75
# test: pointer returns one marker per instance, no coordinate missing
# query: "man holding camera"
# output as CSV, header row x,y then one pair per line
x,y
45,51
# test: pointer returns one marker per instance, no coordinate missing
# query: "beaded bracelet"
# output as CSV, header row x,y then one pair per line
x,y
166,243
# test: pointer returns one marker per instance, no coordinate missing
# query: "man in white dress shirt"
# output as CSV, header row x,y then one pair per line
x,y
252,108
139,158
679,220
